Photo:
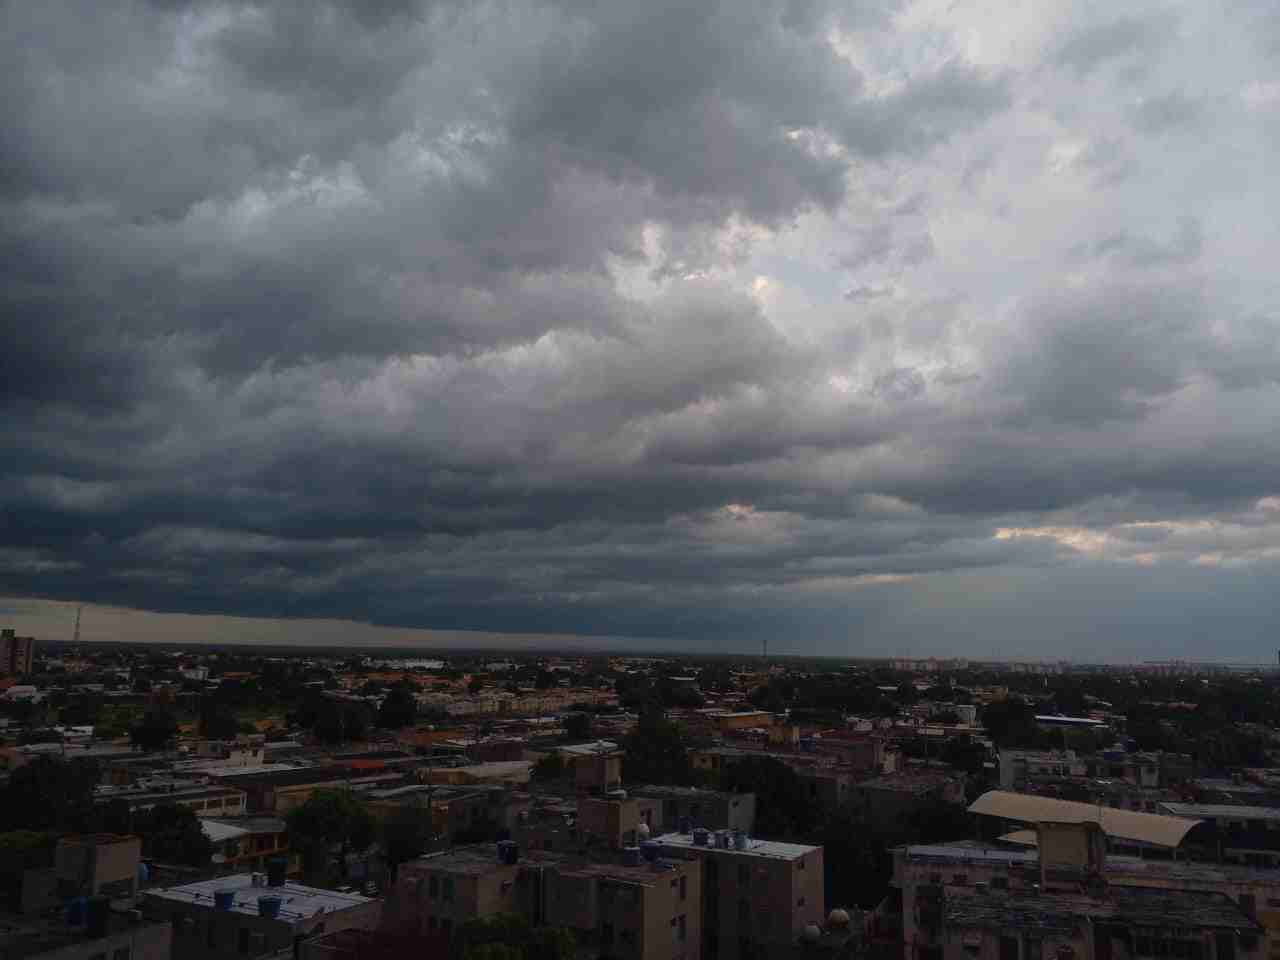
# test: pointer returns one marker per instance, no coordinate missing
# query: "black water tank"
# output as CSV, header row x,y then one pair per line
x,y
97,915
277,868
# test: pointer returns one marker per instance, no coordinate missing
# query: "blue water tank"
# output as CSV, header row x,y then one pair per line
x,y
144,873
649,850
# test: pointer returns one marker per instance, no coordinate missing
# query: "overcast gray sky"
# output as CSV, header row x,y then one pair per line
x,y
873,327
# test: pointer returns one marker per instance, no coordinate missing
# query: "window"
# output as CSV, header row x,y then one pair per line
x,y
800,864
1008,948
960,879
432,924
744,913
446,926
606,934
800,902
766,923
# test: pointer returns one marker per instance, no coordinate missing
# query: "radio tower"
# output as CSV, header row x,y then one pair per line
x,y
765,645
79,610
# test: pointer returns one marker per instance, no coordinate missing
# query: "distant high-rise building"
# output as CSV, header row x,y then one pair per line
x,y
16,653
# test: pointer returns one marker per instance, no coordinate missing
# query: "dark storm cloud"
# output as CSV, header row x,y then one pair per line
x,y
687,320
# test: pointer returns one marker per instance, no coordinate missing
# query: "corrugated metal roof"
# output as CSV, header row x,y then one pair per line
x,y
1152,828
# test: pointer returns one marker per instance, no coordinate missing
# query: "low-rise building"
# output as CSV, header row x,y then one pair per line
x,y
641,910
95,933
247,843
758,896
242,916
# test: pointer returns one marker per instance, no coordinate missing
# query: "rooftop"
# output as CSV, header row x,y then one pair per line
x,y
220,832
1132,906
482,859
1164,831
774,849
1222,811
294,776
917,781
299,902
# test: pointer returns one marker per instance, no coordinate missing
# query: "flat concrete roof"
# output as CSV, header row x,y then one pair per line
x,y
774,849
299,902
1224,811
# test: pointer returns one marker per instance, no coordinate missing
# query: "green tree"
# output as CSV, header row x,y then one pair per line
x,y
399,709
475,686
336,721
155,730
20,851
577,726
50,794
406,833
510,937
783,810
657,751
217,720
1011,722
173,834
329,819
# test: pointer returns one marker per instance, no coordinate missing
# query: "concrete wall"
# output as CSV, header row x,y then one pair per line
x,y
146,941
203,933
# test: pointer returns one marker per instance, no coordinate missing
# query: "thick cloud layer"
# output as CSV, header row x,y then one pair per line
x,y
895,325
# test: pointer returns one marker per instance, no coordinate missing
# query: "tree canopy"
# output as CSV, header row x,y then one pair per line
x,y
173,834
399,708
657,751
330,818
155,730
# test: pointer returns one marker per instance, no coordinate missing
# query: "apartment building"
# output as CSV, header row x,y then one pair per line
x,y
758,896
277,791
1123,924
89,865
641,908
16,653
1232,833
246,916
202,798
1070,859
247,843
